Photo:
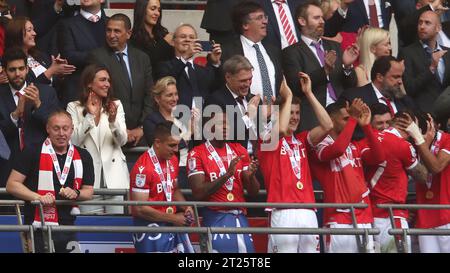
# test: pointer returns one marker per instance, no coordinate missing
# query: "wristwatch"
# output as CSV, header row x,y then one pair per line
x,y
77,192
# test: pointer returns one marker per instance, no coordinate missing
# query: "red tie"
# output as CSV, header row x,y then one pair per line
x,y
285,22
388,102
373,14
20,124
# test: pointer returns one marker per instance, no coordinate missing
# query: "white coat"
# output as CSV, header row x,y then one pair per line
x,y
105,148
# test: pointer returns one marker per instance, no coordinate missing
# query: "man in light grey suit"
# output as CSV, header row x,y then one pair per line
x,y
131,74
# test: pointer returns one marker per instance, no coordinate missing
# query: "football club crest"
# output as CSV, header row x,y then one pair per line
x,y
192,164
140,180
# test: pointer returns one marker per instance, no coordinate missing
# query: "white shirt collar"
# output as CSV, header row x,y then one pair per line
x,y
248,42
309,41
87,15
13,91
124,51
191,60
393,131
377,92
232,92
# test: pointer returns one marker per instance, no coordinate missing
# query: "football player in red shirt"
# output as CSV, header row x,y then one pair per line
x,y
434,151
154,178
286,171
218,171
389,183
338,165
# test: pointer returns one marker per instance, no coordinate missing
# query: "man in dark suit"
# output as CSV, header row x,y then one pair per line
x,y
24,108
375,13
192,80
427,64
330,70
385,88
131,74
250,21
77,36
236,93
217,20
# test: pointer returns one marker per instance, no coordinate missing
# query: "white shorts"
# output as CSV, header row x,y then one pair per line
x,y
293,243
386,242
435,244
347,243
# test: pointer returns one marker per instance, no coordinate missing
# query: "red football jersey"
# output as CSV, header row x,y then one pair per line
x,y
439,185
144,179
343,181
389,180
200,161
279,177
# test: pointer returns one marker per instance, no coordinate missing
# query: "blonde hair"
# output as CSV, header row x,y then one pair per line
x,y
371,37
161,86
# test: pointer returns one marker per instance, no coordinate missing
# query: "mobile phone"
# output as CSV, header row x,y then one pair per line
x,y
207,46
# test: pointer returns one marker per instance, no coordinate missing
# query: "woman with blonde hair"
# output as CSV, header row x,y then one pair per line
x,y
373,44
165,98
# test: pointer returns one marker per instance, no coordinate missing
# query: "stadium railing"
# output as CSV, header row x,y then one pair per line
x,y
402,246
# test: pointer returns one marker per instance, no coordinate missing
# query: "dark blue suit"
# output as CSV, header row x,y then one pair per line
x,y
273,30
34,122
357,16
76,40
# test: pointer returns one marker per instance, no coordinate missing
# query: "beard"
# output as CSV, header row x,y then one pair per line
x,y
392,92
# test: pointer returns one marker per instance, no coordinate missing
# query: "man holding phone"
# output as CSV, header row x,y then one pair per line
x,y
194,82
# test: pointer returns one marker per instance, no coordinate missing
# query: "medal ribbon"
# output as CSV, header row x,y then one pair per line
x,y
294,156
218,160
62,177
165,183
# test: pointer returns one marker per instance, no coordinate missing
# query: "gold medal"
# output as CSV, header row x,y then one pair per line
x,y
299,185
169,210
429,195
230,197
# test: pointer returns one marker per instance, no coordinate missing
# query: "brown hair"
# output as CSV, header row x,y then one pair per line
x,y
87,77
15,32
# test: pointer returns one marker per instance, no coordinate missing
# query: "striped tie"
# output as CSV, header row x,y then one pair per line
x,y
285,22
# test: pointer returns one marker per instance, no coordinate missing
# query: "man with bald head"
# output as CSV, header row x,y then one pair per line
x,y
426,72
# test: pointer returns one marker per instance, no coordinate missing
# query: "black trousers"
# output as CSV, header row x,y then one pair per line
x,y
64,242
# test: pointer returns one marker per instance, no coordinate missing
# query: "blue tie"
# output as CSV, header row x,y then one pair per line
x,y
267,88
4,148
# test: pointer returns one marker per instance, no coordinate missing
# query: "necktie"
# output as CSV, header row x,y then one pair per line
x,y
94,18
124,68
285,22
439,71
321,55
388,103
240,101
373,14
193,80
5,152
267,88
20,125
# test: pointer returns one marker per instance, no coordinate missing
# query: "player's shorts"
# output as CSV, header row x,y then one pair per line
x,y
228,243
347,243
293,243
435,244
160,242
384,241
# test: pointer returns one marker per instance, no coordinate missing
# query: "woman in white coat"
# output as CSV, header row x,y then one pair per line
x,y
99,127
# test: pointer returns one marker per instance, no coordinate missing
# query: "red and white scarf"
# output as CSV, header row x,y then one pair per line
x,y
47,162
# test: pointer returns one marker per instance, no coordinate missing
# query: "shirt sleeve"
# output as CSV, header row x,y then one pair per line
x,y
88,167
246,160
195,164
409,156
25,161
139,178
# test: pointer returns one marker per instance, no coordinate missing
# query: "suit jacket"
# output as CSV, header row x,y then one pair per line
x,y
357,16
223,97
235,48
367,94
105,148
299,57
75,42
422,85
217,15
34,122
273,31
137,102
206,79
